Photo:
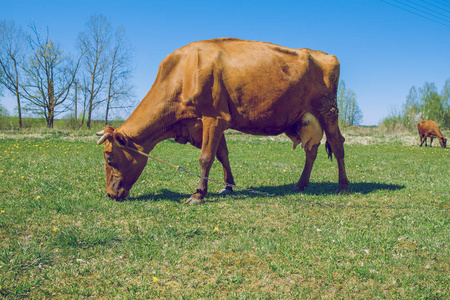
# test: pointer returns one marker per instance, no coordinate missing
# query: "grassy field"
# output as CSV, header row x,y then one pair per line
x,y
61,237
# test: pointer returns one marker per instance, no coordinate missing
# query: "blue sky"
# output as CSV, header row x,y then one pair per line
x,y
383,49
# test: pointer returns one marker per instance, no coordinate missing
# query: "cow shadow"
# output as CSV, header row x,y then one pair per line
x,y
329,188
163,194
320,188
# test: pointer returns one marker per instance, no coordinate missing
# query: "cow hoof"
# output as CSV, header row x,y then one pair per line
x,y
224,192
195,201
296,188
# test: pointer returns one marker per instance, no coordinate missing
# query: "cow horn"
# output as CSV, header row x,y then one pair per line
x,y
100,133
103,138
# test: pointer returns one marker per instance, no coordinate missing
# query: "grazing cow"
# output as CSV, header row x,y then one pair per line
x,y
209,86
430,129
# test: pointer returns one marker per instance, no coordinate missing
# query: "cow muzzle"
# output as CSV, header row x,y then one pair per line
x,y
119,195
116,191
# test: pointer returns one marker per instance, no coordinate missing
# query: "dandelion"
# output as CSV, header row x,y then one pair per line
x,y
216,229
55,229
2,211
38,197
155,279
22,177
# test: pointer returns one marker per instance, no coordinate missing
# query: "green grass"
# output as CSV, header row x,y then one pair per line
x,y
61,237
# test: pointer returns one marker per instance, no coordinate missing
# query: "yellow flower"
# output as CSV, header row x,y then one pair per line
x,y
216,229
38,197
155,279
55,229
2,211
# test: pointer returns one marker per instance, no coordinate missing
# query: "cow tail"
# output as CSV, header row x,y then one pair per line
x,y
329,151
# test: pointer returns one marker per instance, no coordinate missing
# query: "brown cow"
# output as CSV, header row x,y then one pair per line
x,y
430,129
207,87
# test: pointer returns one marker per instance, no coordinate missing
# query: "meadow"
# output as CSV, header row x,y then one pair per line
x,y
388,237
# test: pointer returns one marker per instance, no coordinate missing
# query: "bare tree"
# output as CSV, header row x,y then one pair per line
x,y
1,78
50,76
85,102
12,49
94,42
3,111
119,87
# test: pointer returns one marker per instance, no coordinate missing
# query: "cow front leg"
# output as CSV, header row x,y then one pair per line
x,y
212,134
431,141
222,156
309,162
422,140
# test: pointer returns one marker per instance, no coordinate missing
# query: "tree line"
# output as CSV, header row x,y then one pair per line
x,y
349,112
47,81
423,103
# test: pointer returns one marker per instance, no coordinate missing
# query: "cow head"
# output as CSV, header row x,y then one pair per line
x,y
123,167
443,142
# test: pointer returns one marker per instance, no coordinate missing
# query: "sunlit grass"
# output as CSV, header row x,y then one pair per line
x,y
61,237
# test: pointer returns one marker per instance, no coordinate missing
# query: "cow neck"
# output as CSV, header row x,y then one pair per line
x,y
148,125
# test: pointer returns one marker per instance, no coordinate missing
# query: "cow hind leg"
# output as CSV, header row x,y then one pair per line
x,y
222,156
213,129
336,144
309,162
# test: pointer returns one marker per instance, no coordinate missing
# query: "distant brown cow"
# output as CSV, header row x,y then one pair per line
x,y
430,129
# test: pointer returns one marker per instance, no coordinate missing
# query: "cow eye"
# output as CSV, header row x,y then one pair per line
x,y
108,157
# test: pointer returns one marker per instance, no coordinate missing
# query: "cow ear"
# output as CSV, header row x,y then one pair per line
x,y
109,129
121,139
